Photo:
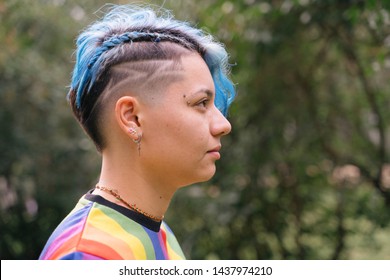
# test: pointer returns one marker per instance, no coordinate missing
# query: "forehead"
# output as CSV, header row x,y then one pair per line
x,y
195,75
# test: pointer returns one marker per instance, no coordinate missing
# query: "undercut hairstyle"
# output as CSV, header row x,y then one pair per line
x,y
133,48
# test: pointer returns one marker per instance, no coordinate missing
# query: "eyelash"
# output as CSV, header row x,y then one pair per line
x,y
203,102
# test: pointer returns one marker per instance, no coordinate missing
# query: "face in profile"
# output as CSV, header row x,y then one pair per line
x,y
182,133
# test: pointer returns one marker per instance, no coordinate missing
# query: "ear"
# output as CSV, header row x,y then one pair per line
x,y
126,110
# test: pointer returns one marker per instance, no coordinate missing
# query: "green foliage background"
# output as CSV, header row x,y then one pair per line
x,y
305,173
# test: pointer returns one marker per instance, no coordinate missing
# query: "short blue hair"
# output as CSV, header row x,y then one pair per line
x,y
127,24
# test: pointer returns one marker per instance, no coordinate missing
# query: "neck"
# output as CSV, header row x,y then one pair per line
x,y
133,185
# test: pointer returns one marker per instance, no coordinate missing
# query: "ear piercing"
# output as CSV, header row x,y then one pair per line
x,y
132,131
136,140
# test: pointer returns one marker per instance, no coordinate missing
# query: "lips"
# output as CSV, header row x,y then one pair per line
x,y
216,149
215,152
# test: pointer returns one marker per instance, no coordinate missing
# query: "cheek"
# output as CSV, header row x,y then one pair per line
x,y
191,133
184,141
179,133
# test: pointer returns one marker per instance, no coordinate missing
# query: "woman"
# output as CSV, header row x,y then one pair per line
x,y
152,93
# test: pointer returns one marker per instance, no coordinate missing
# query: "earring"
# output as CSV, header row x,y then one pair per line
x,y
136,140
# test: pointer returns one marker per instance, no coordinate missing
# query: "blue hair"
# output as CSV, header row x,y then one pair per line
x,y
125,24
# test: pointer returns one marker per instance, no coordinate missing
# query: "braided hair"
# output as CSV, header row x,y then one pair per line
x,y
129,33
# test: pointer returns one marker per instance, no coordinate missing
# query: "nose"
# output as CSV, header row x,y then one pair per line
x,y
219,126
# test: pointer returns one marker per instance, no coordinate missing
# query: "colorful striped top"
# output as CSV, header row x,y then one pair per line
x,y
99,229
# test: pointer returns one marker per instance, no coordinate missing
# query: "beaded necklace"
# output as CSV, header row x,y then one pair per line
x,y
131,206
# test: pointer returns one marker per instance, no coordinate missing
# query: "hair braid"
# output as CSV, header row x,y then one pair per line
x,y
135,36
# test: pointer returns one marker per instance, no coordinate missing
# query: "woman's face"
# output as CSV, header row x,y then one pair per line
x,y
182,132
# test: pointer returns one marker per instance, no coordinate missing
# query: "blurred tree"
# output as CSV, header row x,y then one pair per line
x,y
305,173
46,162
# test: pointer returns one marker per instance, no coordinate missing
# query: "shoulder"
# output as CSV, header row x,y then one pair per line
x,y
88,232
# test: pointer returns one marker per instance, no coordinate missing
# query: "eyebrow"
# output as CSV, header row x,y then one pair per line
x,y
203,90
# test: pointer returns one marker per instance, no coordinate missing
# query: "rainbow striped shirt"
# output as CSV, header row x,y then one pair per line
x,y
99,229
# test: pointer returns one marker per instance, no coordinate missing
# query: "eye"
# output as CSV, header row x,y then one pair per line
x,y
203,103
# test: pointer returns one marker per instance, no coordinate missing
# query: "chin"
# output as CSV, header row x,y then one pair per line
x,y
199,177
206,176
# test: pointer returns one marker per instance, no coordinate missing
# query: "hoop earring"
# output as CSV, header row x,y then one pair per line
x,y
136,140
